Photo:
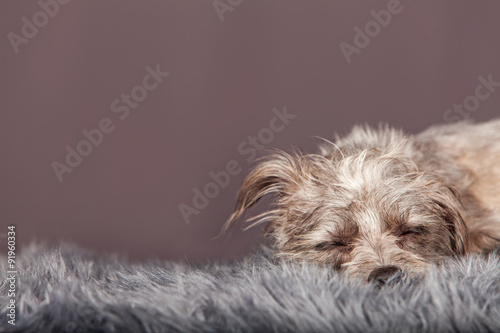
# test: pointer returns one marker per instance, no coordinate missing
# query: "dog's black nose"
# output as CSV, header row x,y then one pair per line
x,y
382,274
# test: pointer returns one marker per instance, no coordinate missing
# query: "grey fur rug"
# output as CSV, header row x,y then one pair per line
x,y
66,289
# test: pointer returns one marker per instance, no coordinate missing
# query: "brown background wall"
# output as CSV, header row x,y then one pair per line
x,y
226,77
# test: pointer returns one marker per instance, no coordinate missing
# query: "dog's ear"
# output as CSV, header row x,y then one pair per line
x,y
277,175
484,231
454,220
459,238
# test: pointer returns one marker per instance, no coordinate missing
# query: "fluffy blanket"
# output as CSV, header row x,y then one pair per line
x,y
66,289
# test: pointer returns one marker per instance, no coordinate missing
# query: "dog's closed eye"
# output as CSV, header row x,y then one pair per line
x,y
338,245
411,232
408,235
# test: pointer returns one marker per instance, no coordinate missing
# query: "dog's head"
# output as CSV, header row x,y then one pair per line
x,y
369,212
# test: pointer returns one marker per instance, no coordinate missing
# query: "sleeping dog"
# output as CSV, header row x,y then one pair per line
x,y
380,202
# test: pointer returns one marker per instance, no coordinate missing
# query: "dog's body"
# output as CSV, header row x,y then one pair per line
x,y
378,201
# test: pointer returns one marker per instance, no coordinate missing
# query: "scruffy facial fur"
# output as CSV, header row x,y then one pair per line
x,y
381,198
